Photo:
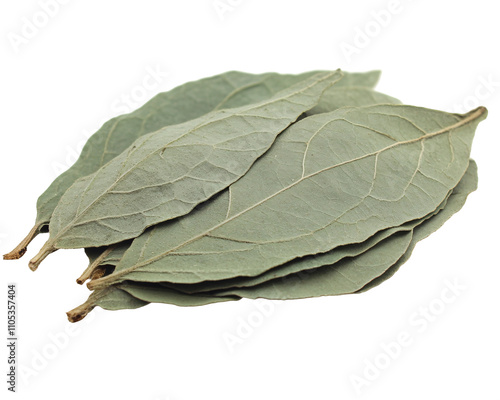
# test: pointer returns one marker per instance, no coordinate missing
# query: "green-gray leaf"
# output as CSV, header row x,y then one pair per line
x,y
344,277
457,200
181,104
377,167
366,270
130,295
165,174
335,97
111,298
306,263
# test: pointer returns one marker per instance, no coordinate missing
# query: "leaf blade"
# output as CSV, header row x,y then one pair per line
x,y
186,257
185,102
164,174
364,271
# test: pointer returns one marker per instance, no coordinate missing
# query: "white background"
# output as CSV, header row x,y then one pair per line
x,y
73,74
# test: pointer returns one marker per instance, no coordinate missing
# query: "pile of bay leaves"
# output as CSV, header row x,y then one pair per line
x,y
256,186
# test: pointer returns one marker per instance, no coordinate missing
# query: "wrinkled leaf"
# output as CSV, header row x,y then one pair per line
x,y
328,181
165,174
375,265
181,104
335,97
306,263
457,200
366,270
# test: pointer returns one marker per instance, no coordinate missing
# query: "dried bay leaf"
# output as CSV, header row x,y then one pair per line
x,y
181,104
261,191
346,276
306,263
335,97
366,270
457,200
165,174
130,295
349,276
329,180
302,264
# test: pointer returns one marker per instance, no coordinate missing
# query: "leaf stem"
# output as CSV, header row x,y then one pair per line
x,y
92,266
80,312
42,254
20,249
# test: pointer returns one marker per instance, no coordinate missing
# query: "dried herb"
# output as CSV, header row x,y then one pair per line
x,y
181,104
247,186
307,197
165,174
353,274
336,97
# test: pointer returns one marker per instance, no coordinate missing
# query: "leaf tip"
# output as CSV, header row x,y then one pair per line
x,y
482,111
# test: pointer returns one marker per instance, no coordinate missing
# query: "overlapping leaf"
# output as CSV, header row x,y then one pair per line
x,y
305,264
366,270
248,186
335,97
301,199
457,200
165,174
181,104
351,275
